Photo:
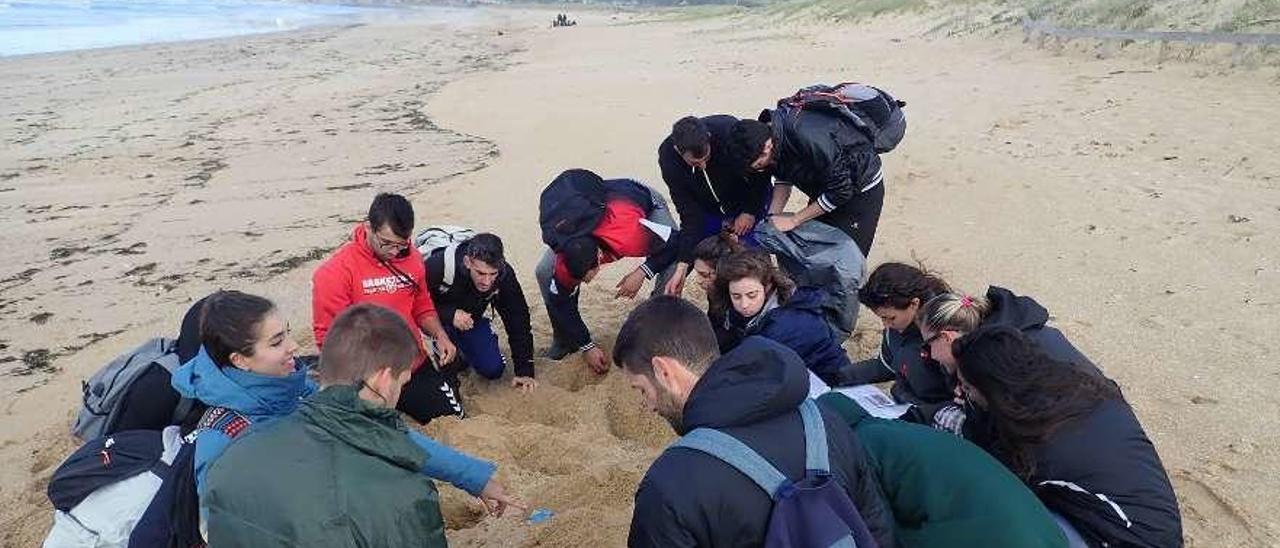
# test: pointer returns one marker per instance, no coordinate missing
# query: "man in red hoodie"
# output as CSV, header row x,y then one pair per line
x,y
380,266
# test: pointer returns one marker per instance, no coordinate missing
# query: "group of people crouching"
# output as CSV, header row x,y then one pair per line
x,y
1011,437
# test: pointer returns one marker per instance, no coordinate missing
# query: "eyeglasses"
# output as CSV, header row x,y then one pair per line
x,y
389,245
926,348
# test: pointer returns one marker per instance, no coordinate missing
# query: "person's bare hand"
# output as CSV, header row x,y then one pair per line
x,y
675,286
630,284
743,224
496,500
784,222
597,360
447,351
463,321
524,384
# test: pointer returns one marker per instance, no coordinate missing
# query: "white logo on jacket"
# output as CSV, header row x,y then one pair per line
x,y
384,284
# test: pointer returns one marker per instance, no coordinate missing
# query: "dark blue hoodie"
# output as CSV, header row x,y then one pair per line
x,y
689,498
800,325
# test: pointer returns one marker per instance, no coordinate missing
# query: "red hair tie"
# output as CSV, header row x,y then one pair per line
x,y
966,301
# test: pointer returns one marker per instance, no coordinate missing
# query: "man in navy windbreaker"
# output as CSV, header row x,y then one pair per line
x,y
668,353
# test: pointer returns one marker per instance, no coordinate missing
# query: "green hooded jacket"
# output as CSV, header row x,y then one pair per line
x,y
945,491
338,472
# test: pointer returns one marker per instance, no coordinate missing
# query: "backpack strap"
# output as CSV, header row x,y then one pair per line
x,y
816,457
227,421
450,266
180,411
736,454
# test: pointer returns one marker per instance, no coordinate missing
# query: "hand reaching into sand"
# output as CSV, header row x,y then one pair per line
x,y
675,286
524,384
496,500
597,360
630,284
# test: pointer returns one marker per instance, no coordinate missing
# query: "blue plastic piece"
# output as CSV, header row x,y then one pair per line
x,y
541,515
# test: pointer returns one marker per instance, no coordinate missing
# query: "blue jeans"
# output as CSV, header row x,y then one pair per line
x,y
479,346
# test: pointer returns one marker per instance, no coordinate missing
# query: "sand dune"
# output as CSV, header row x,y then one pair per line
x,y
1137,202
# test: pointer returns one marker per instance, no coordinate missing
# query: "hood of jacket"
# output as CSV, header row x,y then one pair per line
x,y
375,431
1015,311
252,394
757,380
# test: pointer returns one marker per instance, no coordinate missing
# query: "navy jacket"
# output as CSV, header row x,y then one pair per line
x,y
826,156
800,325
722,190
917,381
1102,474
689,498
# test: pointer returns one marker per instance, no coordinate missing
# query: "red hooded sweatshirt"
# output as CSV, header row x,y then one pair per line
x,y
620,233
354,275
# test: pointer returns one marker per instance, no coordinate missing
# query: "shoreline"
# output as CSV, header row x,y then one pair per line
x,y
113,278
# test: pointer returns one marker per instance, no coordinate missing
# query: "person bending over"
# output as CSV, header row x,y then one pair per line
x,y
1066,430
833,162
895,292
635,222
755,298
754,393
481,278
710,191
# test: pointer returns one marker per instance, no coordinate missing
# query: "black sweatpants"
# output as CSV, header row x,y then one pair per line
x,y
859,217
430,394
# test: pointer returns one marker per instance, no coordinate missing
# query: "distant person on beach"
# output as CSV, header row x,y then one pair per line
x,y
614,219
895,292
481,278
1066,430
245,370
709,189
945,491
341,469
833,162
380,265
754,298
945,318
754,395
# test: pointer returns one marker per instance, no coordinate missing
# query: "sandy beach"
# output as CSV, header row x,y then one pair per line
x,y
1139,202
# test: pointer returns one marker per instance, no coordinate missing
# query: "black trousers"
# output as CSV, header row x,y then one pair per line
x,y
430,394
859,217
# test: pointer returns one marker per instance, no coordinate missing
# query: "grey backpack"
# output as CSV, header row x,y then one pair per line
x,y
446,236
107,389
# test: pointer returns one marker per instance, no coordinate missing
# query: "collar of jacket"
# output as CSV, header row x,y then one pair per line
x,y
376,431
753,323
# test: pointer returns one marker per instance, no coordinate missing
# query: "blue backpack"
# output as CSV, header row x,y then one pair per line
x,y
814,512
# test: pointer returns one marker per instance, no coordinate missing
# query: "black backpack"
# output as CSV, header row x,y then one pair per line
x,y
173,518
872,110
571,207
101,462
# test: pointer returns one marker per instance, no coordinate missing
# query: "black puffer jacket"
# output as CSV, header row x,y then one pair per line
x,y
689,498
824,155
720,190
